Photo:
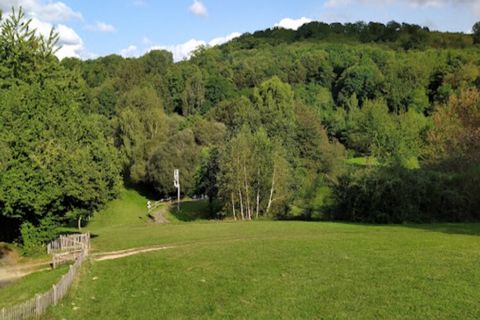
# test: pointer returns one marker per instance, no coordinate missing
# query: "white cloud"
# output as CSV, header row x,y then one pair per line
x,y
198,8
294,24
221,40
130,51
101,27
50,12
472,5
47,15
415,3
182,51
69,42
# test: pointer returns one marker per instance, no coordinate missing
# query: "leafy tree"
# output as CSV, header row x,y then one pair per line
x,y
178,152
57,159
254,176
274,101
454,139
365,81
142,125
476,32
206,177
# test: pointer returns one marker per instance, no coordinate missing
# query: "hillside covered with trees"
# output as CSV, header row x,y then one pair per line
x,y
358,122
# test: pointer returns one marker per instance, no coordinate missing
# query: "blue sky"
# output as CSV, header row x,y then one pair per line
x,y
131,27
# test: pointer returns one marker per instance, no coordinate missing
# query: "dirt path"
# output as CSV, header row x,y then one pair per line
x,y
112,255
159,215
13,272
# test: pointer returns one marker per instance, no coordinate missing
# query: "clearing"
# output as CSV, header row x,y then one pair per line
x,y
270,269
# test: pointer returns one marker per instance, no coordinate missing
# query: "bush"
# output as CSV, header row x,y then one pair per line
x,y
398,195
34,237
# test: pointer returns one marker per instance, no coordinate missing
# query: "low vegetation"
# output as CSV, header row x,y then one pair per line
x,y
21,290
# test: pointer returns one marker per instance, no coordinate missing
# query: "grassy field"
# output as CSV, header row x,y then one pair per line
x,y
275,270
30,285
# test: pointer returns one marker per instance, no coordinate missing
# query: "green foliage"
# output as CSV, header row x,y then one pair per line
x,y
206,177
255,177
142,126
262,122
387,137
476,33
398,195
273,101
365,81
34,237
178,152
55,158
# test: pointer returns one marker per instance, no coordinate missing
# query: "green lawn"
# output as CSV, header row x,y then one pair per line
x,y
276,270
267,269
27,287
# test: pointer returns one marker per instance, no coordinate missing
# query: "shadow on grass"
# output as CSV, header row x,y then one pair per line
x,y
472,229
194,210
460,228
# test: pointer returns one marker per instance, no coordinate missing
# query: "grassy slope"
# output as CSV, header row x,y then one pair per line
x,y
27,287
282,270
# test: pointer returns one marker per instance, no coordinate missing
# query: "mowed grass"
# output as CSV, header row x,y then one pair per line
x,y
26,288
276,270
290,270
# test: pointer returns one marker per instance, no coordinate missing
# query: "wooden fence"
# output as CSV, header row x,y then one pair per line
x,y
68,243
39,304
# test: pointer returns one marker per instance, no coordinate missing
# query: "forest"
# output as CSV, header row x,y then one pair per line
x,y
361,122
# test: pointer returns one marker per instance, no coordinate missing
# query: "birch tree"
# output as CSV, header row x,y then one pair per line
x,y
253,175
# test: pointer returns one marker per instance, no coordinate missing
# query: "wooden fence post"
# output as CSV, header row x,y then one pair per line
x,y
38,310
54,287
3,313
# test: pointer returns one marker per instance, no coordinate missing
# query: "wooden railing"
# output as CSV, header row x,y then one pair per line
x,y
70,242
39,304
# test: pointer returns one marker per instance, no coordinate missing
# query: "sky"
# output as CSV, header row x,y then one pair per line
x,y
93,28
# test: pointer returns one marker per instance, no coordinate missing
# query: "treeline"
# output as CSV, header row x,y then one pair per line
x,y
393,34
311,129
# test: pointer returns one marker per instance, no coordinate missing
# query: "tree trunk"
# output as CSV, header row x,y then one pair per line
x,y
241,205
79,223
258,203
233,208
249,214
270,199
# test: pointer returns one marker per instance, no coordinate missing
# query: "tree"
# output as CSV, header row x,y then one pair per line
x,y
314,150
178,152
388,137
476,33
56,159
365,80
141,127
454,139
206,177
273,100
254,176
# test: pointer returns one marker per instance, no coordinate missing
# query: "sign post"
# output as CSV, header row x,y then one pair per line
x,y
176,183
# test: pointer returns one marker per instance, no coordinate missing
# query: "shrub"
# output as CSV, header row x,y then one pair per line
x,y
35,237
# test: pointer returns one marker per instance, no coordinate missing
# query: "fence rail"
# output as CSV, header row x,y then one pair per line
x,y
39,304
70,242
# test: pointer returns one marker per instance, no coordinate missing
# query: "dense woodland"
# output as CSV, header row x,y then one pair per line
x,y
358,122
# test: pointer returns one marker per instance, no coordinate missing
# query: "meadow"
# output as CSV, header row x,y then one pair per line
x,y
274,269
